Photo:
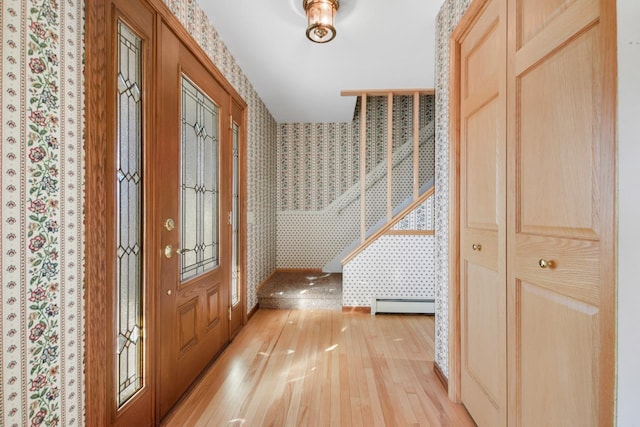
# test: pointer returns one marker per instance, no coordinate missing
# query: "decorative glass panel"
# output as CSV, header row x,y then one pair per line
x,y
235,253
199,186
129,346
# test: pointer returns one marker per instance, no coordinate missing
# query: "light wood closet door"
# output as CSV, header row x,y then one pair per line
x,y
482,220
561,285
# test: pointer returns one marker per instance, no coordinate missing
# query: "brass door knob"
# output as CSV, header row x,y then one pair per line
x,y
476,247
543,263
168,251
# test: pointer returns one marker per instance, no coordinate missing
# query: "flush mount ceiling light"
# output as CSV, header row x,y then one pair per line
x,y
320,16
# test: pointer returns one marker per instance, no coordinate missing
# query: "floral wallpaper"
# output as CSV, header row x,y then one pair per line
x,y
42,201
448,17
41,229
41,361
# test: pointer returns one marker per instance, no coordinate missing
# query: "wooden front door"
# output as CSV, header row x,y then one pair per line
x,y
194,154
482,221
561,221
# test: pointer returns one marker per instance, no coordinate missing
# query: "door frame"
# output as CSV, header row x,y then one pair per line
x,y
99,409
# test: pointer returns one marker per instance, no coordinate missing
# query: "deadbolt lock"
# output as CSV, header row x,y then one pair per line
x,y
169,224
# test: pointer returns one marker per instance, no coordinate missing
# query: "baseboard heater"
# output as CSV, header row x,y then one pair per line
x,y
403,305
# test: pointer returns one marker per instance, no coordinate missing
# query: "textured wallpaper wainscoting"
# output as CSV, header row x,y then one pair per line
x,y
394,265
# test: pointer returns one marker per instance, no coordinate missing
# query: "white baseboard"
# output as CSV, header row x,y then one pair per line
x,y
403,305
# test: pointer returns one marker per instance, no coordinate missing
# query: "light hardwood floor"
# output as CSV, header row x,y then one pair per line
x,y
323,368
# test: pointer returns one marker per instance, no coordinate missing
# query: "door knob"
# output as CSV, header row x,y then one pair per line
x,y
169,292
543,263
476,247
168,251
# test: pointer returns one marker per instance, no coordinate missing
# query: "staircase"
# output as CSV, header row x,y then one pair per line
x,y
367,228
325,233
335,265
376,177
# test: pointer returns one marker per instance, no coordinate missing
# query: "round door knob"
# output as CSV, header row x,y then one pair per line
x,y
476,247
543,263
169,292
168,251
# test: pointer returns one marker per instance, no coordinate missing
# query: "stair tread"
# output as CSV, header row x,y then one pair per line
x,y
304,290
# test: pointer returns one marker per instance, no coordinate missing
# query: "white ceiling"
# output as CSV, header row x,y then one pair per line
x,y
380,44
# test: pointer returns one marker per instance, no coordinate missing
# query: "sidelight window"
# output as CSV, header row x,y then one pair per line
x,y
129,346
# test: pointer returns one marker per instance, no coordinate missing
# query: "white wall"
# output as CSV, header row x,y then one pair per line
x,y
629,213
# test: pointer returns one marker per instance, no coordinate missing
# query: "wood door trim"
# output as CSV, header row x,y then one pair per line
x,y
455,347
440,375
608,242
97,347
96,411
176,26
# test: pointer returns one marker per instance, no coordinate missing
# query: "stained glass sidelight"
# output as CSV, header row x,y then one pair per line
x,y
199,186
235,208
129,345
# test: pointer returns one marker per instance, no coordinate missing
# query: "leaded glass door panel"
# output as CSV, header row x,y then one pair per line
x,y
195,197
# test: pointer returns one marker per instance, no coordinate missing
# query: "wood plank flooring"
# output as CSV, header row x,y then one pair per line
x,y
323,368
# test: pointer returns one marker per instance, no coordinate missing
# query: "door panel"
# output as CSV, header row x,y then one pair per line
x,y
187,325
545,177
559,356
482,216
536,14
195,195
481,212
213,307
484,304
560,280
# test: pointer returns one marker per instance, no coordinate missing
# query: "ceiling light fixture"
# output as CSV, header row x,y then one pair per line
x,y
320,16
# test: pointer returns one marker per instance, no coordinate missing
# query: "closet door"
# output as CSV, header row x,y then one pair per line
x,y
482,50
561,230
